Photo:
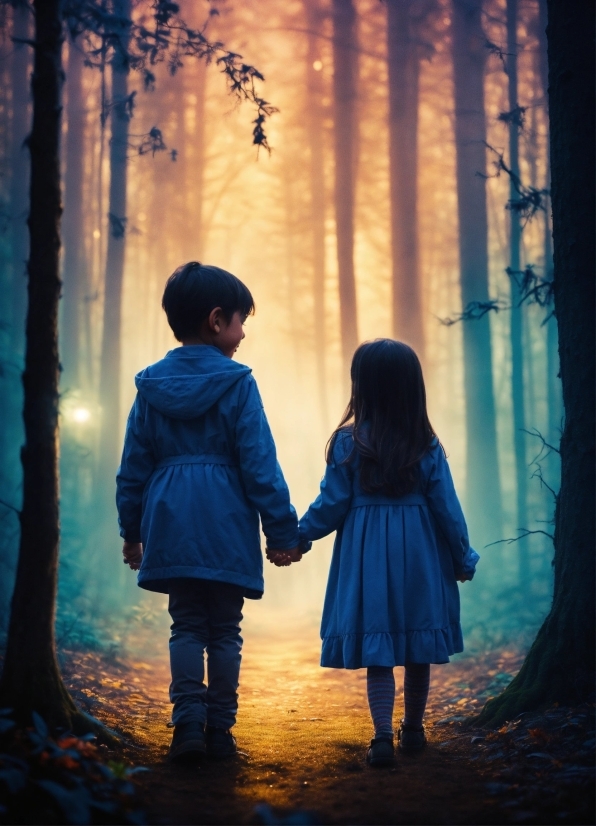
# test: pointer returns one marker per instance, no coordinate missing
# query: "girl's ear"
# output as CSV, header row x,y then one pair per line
x,y
214,320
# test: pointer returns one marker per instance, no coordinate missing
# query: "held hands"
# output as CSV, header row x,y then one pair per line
x,y
133,555
283,558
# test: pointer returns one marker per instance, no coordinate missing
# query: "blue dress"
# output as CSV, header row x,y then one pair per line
x,y
392,594
198,469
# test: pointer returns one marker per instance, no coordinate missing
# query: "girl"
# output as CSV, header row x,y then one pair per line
x,y
401,546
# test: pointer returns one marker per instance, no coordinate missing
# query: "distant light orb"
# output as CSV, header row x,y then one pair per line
x,y
81,414
317,65
96,234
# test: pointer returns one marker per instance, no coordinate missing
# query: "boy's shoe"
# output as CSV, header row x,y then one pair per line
x,y
381,752
410,739
221,743
188,743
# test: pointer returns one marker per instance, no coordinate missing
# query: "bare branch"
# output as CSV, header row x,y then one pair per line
x,y
524,532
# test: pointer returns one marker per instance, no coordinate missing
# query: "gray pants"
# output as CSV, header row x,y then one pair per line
x,y
206,616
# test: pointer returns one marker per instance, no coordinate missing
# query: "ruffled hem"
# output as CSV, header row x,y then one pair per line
x,y
434,645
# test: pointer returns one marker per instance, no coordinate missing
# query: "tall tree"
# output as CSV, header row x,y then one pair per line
x,y
516,330
19,167
109,383
33,682
559,667
315,130
403,77
483,492
74,266
345,69
553,384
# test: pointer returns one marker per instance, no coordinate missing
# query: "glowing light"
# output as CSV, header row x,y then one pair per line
x,y
96,234
317,65
81,414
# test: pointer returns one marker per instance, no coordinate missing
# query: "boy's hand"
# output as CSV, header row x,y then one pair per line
x,y
133,554
284,558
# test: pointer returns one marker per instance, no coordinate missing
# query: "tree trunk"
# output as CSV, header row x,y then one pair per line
x,y
553,384
516,330
483,492
31,680
109,384
403,78
345,62
74,267
314,113
19,174
560,665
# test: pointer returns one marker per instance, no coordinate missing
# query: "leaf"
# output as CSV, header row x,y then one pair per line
x,y
6,725
74,803
14,779
40,725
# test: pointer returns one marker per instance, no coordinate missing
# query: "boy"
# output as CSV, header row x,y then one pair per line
x,y
198,468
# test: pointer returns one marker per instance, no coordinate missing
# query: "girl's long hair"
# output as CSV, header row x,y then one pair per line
x,y
387,416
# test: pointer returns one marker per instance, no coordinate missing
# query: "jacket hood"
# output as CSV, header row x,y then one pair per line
x,y
188,381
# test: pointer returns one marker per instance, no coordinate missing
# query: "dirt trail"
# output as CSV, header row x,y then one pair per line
x,y
303,731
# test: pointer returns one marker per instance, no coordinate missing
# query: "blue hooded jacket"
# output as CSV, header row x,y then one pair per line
x,y
198,468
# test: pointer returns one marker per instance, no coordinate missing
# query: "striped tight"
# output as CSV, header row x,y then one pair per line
x,y
380,687
416,683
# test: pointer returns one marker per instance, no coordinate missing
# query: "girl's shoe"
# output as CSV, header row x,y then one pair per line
x,y
221,743
381,752
188,743
410,739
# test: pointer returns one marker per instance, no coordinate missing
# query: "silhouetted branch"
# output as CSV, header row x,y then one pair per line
x,y
545,444
160,35
497,51
475,310
515,116
530,200
523,533
532,289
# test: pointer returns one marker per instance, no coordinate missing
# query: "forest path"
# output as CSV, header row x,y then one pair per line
x,y
303,732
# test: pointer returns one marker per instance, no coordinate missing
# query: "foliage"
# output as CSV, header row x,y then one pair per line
x,y
62,779
157,34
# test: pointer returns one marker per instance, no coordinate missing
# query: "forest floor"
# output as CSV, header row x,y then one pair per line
x,y
302,732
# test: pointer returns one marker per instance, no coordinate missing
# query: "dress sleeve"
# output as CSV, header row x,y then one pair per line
x,y
263,480
446,509
329,509
137,465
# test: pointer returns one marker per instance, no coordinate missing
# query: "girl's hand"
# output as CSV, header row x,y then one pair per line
x,y
133,555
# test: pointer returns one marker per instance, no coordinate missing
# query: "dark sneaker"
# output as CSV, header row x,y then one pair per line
x,y
410,739
381,752
188,743
220,743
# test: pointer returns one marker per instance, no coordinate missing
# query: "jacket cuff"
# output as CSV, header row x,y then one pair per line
x,y
130,536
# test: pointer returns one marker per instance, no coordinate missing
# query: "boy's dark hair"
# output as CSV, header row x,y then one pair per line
x,y
387,416
194,289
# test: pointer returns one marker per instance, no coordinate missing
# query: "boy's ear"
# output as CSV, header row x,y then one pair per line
x,y
214,319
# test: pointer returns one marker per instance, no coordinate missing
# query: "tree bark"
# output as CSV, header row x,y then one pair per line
x,y
74,267
109,384
553,383
345,62
403,78
483,491
516,330
314,114
560,665
19,177
31,680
